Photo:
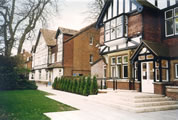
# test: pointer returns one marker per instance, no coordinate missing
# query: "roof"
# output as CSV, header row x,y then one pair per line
x,y
55,65
49,36
67,31
81,31
158,49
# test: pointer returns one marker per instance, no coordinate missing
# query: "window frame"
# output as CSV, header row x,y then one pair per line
x,y
176,73
124,71
112,61
123,59
91,59
91,40
118,60
173,18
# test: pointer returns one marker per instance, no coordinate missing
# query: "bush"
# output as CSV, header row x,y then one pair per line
x,y
54,85
13,75
95,86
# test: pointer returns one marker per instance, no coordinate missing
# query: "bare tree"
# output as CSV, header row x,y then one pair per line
x,y
20,19
94,9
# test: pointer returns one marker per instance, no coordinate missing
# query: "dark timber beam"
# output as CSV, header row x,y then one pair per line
x,y
156,3
168,3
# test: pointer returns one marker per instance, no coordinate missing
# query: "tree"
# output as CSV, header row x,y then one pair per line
x,y
20,19
94,9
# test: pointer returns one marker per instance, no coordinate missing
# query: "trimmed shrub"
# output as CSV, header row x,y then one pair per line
x,y
54,85
95,86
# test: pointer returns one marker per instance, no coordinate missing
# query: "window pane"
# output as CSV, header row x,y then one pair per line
x,y
119,31
125,59
176,25
107,35
164,63
176,11
141,58
169,14
157,75
169,26
164,74
119,71
125,71
151,71
113,61
127,6
113,70
149,57
107,25
119,20
113,33
176,70
119,60
113,23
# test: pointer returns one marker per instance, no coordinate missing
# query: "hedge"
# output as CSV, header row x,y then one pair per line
x,y
83,86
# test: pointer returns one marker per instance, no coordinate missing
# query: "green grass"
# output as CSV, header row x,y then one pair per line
x,y
28,105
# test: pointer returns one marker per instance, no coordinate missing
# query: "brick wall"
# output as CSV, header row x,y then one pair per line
x,y
152,25
134,25
97,69
120,85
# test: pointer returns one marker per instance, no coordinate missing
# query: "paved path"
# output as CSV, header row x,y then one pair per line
x,y
90,110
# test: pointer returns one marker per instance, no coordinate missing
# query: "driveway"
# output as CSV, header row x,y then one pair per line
x,y
91,110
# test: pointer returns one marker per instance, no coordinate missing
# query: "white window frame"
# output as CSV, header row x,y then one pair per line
x,y
112,60
104,68
176,74
123,59
123,70
118,60
166,19
91,40
112,71
176,33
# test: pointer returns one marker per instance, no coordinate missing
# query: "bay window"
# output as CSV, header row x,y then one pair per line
x,y
116,28
176,70
171,22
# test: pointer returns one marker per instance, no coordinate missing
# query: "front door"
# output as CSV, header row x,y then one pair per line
x,y
147,77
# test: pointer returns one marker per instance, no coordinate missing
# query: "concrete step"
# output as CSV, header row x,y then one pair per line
x,y
155,108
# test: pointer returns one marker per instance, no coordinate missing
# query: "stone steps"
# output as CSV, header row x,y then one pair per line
x,y
135,102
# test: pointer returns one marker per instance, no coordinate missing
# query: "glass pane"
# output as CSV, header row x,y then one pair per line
x,y
113,70
119,71
119,20
176,25
176,11
119,60
113,33
113,23
176,69
169,14
144,70
157,74
164,63
109,12
151,71
107,25
143,50
136,74
113,60
107,35
164,74
169,26
119,31
125,71
115,8
127,6
125,59
141,58
149,57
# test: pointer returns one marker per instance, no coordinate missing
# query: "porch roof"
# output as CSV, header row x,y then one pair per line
x,y
158,49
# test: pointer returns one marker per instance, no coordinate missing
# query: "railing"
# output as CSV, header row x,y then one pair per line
x,y
103,81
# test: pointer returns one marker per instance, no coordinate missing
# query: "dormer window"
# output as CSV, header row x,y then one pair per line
x,y
171,22
116,28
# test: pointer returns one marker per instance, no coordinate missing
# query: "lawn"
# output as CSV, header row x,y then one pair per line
x,y
28,105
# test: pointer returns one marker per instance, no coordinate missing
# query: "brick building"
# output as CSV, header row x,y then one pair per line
x,y
138,41
80,51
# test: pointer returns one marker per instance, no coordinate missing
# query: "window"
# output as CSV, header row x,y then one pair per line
x,y
116,28
104,74
113,61
125,59
171,22
119,71
119,60
53,58
176,70
125,71
113,71
91,59
91,40
39,74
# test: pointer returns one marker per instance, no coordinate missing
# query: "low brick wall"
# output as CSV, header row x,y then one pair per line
x,y
137,86
160,87
120,84
172,91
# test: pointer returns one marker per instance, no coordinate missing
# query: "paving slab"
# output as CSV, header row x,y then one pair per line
x,y
90,110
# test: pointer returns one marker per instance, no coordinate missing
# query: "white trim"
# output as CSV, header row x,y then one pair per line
x,y
112,71
104,68
168,11
175,12
123,71
176,74
112,61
